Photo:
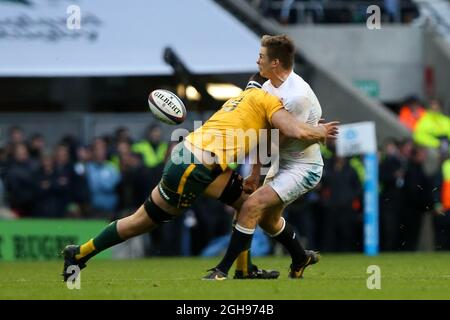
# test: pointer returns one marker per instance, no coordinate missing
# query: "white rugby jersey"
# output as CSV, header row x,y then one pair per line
x,y
299,99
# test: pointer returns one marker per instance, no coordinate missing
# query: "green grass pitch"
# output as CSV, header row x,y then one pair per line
x,y
403,276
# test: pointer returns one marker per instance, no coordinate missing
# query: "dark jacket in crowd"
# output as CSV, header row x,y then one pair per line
x,y
339,187
49,203
20,184
417,189
417,200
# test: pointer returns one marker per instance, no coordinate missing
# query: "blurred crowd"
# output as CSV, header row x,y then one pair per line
x,y
325,11
107,179
99,180
113,175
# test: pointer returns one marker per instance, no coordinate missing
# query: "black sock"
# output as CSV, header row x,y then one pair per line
x,y
241,239
288,239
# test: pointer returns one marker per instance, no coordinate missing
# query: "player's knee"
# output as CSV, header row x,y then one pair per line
x,y
233,189
157,214
253,207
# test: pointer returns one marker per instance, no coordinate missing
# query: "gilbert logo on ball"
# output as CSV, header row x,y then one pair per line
x,y
166,106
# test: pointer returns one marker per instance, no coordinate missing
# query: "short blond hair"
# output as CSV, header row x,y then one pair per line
x,y
280,47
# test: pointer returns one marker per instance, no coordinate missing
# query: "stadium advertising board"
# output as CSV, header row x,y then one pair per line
x,y
41,239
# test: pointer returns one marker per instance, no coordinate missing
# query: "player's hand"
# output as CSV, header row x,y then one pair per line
x,y
331,130
250,184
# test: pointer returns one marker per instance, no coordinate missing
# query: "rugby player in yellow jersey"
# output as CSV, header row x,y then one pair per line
x,y
199,165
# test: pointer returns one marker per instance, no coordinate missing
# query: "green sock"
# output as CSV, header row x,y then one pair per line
x,y
107,238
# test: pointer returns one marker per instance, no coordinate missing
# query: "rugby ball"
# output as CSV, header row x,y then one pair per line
x,y
166,106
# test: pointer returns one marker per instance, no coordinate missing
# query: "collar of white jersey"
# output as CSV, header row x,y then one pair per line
x,y
285,81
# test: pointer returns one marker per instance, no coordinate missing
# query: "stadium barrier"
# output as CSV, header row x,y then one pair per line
x,y
43,239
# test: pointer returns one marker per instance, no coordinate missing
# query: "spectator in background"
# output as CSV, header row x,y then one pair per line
x,y
20,182
442,206
36,147
81,194
433,132
3,162
406,148
2,193
122,151
122,146
103,179
5,212
411,112
340,188
392,179
153,149
137,179
433,129
72,143
16,136
417,200
48,202
146,178
129,172
64,178
122,134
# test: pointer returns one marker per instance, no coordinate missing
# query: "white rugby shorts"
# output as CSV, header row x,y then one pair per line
x,y
293,179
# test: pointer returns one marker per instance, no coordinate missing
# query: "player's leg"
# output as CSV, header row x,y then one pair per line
x,y
286,186
289,185
272,222
182,181
242,234
246,269
228,189
153,212
282,231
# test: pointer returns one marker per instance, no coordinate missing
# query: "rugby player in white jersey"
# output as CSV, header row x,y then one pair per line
x,y
300,167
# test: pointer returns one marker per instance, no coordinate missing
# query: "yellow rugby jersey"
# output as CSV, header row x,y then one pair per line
x,y
233,131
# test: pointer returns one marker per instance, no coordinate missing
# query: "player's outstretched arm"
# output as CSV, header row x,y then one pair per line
x,y
292,128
